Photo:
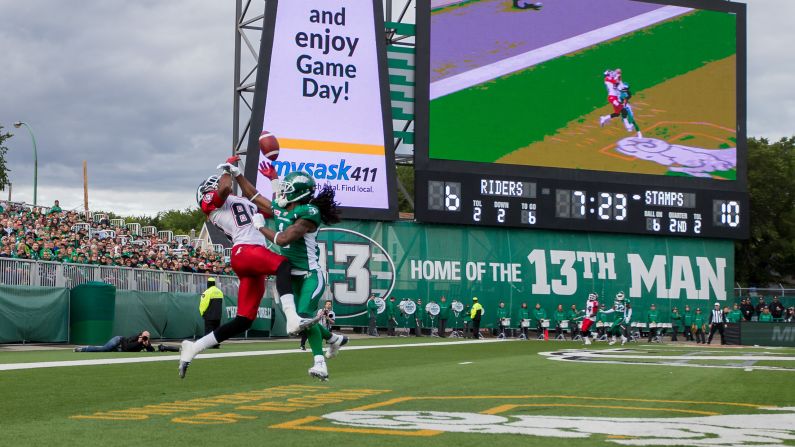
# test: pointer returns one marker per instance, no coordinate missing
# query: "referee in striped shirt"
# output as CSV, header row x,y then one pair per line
x,y
716,322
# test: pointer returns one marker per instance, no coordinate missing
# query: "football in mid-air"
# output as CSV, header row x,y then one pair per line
x,y
269,145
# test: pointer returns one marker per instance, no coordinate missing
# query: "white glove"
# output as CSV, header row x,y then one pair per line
x,y
259,221
230,168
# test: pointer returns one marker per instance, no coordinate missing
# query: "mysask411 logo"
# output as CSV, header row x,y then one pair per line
x,y
328,171
357,266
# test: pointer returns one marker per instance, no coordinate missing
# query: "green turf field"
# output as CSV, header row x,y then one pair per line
x,y
450,394
524,107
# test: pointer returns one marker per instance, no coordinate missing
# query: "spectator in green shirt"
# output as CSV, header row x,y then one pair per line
x,y
444,315
56,208
699,326
372,313
502,314
560,316
524,321
687,316
735,315
676,323
538,315
652,318
419,318
766,316
391,315
575,316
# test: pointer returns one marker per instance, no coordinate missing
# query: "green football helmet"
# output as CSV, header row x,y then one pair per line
x,y
295,186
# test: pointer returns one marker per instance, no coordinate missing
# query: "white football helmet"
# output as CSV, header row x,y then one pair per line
x,y
620,296
593,296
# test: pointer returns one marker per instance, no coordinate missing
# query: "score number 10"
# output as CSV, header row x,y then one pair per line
x,y
572,205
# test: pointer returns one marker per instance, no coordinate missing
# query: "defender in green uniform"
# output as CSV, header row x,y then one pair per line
x,y
622,314
298,214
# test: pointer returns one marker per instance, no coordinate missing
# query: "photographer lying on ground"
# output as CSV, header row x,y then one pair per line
x,y
135,343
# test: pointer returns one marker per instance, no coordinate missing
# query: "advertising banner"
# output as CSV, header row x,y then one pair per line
x,y
416,261
322,91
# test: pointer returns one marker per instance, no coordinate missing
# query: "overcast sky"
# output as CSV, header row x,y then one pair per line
x,y
143,91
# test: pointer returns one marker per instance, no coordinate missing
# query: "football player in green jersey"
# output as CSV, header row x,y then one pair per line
x,y
298,213
623,314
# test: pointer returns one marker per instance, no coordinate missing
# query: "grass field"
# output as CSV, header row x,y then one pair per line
x,y
440,394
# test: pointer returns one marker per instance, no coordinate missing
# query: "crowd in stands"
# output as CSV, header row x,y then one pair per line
x,y
56,235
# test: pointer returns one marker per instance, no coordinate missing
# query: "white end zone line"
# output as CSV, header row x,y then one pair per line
x,y
485,73
615,357
174,358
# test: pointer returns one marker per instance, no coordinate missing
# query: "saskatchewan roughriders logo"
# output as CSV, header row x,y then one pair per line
x,y
357,267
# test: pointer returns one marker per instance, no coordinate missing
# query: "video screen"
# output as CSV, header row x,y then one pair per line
x,y
600,85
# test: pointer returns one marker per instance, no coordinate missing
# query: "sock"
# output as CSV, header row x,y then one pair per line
x,y
334,338
315,340
325,333
288,302
319,359
204,343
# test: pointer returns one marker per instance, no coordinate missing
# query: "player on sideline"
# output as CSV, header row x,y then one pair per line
x,y
623,314
298,214
591,309
251,261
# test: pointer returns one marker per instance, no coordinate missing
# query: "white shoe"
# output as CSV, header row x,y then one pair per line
x,y
185,357
613,341
334,346
587,340
603,120
640,134
319,371
623,340
296,324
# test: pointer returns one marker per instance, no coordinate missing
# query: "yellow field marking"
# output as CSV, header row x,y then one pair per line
x,y
552,396
331,146
385,403
504,408
300,424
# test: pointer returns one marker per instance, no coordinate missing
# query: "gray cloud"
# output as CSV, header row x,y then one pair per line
x,y
143,91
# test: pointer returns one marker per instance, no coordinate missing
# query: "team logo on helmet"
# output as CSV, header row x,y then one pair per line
x,y
207,185
295,186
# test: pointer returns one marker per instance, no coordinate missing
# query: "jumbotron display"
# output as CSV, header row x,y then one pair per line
x,y
609,115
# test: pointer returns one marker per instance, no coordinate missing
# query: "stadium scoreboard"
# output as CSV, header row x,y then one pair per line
x,y
546,133
473,199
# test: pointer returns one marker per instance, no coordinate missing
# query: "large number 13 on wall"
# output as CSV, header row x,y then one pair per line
x,y
355,287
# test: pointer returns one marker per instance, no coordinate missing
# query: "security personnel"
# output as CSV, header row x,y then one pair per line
x,y
476,313
210,307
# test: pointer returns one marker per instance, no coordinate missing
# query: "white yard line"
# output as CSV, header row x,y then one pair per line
x,y
485,73
174,358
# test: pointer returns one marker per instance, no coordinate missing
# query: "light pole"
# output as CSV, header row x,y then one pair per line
x,y
19,124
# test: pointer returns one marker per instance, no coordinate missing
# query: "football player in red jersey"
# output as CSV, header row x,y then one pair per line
x,y
612,82
251,261
591,309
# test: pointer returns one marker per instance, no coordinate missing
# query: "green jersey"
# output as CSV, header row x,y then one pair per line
x,y
391,309
303,253
372,308
524,314
766,317
676,319
699,320
653,316
688,316
539,314
502,312
444,311
735,316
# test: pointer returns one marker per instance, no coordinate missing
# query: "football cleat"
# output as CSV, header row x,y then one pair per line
x,y
587,340
623,340
297,324
603,120
185,357
319,371
334,347
613,341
